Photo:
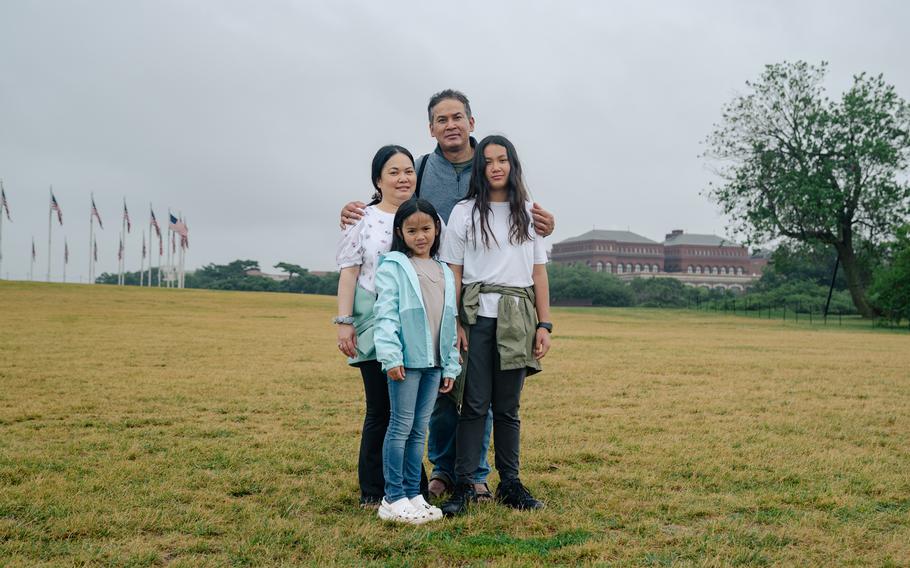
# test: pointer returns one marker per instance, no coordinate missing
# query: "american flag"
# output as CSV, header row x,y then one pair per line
x,y
4,204
120,251
95,250
66,252
95,213
160,246
173,243
34,252
155,224
178,226
126,217
143,245
56,207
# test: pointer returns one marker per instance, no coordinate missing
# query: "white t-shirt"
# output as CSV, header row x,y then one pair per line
x,y
363,242
503,263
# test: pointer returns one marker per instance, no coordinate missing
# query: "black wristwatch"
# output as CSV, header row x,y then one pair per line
x,y
545,325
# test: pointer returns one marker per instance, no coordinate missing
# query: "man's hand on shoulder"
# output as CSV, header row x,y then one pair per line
x,y
544,222
352,212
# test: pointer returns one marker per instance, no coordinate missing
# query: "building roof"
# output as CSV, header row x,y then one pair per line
x,y
699,240
618,236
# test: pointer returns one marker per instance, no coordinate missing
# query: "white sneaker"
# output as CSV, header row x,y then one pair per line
x,y
421,504
402,511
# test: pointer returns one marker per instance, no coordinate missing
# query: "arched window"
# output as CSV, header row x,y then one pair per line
x,y
619,268
655,268
690,270
739,270
608,267
628,268
637,268
599,267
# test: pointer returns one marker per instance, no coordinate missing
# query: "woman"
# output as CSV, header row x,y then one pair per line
x,y
359,249
495,254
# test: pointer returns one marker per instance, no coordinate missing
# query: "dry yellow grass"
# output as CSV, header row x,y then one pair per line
x,y
188,428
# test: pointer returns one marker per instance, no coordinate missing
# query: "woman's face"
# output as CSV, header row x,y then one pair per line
x,y
397,180
497,170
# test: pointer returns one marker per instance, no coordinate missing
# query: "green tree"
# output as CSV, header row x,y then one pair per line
x,y
291,269
796,164
891,288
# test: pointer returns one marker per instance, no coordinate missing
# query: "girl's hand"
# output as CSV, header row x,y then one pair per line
x,y
347,339
461,341
447,384
396,373
541,343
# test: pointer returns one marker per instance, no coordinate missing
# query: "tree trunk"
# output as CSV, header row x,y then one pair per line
x,y
854,282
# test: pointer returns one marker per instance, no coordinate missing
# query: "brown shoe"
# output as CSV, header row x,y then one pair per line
x,y
482,493
438,487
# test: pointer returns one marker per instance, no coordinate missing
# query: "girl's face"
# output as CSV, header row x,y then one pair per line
x,y
397,180
497,170
419,233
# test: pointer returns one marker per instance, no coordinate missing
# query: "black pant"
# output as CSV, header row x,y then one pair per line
x,y
487,385
375,423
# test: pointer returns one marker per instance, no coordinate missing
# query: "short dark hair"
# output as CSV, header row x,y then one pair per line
x,y
382,156
448,94
407,209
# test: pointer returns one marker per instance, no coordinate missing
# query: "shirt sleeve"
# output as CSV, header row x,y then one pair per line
x,y
540,250
350,246
452,247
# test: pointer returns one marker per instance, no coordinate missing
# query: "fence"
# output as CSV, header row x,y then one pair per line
x,y
793,312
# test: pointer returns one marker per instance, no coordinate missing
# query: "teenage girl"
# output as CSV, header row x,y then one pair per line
x,y
499,264
415,336
359,249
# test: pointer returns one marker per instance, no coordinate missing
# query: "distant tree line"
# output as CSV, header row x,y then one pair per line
x,y
235,276
798,276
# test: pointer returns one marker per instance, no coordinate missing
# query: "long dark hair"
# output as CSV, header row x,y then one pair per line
x,y
479,190
382,156
407,209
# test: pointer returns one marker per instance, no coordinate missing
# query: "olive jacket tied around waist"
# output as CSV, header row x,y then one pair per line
x,y
516,327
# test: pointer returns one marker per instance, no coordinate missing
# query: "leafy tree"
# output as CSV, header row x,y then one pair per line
x,y
891,288
291,269
795,164
581,283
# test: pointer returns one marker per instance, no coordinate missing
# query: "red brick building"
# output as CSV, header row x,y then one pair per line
x,y
698,260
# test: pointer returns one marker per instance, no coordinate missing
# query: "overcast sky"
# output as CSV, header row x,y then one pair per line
x,y
258,120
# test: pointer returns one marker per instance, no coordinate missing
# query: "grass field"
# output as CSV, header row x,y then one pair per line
x,y
198,428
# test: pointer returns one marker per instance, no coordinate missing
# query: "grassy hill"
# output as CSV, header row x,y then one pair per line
x,y
190,428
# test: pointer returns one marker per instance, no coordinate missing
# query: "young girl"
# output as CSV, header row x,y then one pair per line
x,y
415,336
505,311
359,249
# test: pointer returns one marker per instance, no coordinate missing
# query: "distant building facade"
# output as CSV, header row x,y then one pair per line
x,y
698,260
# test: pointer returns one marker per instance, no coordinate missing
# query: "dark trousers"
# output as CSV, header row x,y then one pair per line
x,y
375,424
486,385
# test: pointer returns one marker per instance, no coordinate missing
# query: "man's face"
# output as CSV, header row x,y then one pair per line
x,y
451,126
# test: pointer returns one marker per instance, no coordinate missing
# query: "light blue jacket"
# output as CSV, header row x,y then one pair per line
x,y
401,331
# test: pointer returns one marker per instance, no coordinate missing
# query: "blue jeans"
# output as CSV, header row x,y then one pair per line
x,y
441,447
411,402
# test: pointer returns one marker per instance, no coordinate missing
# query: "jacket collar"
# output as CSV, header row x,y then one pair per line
x,y
438,150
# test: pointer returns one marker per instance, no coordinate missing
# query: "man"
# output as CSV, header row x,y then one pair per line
x,y
442,179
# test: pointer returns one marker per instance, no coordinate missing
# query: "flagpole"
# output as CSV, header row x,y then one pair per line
x,y
49,211
91,238
167,243
150,247
123,245
2,205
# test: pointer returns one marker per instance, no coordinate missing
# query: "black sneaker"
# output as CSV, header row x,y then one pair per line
x,y
370,502
462,495
514,494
